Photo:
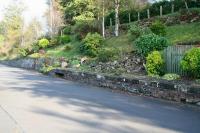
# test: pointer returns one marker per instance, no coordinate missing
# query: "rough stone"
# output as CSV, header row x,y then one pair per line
x,y
64,65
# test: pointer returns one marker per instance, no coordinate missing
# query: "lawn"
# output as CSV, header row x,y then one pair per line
x,y
60,51
183,33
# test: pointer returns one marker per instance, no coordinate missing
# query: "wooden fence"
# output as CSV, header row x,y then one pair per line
x,y
173,56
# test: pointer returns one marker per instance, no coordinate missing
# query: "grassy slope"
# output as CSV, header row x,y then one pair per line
x,y
175,34
59,51
122,43
184,33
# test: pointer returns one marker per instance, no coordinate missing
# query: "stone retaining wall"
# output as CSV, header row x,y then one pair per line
x,y
179,91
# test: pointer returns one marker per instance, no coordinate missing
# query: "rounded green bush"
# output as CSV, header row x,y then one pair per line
x,y
158,28
191,62
155,64
151,42
64,39
135,31
91,44
43,43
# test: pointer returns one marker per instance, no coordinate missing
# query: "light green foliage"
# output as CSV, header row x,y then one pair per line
x,y
106,55
75,63
84,17
64,39
171,76
158,28
2,38
43,43
23,52
91,44
46,69
35,55
154,63
191,62
151,42
79,10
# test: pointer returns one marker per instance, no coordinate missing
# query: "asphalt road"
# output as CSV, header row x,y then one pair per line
x,y
41,104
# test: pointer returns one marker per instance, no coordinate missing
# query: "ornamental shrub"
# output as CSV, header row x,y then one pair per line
x,y
43,43
151,42
64,39
135,31
55,41
23,52
67,30
191,62
91,44
155,64
158,28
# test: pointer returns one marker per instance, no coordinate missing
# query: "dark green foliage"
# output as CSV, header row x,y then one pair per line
x,y
151,42
135,31
82,29
158,28
154,10
106,55
67,30
91,44
64,39
191,62
68,47
154,64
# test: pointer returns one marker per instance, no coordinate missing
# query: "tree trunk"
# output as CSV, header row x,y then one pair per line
x,y
117,17
186,5
103,21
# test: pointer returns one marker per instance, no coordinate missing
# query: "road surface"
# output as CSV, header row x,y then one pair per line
x,y
41,104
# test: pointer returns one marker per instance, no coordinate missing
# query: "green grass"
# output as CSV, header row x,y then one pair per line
x,y
175,34
122,43
60,51
183,33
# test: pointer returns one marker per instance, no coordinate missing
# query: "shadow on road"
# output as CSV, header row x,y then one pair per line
x,y
105,110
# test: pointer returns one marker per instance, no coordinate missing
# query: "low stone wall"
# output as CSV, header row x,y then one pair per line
x,y
179,91
29,63
141,85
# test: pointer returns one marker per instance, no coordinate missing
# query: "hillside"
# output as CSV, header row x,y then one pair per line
x,y
175,34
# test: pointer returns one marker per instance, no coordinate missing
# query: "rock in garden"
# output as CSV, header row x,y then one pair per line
x,y
64,65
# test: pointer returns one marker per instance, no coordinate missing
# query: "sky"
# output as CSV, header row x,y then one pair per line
x,y
33,9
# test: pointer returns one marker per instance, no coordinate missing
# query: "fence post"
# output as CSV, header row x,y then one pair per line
x,y
172,8
111,22
138,16
129,17
148,13
161,11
